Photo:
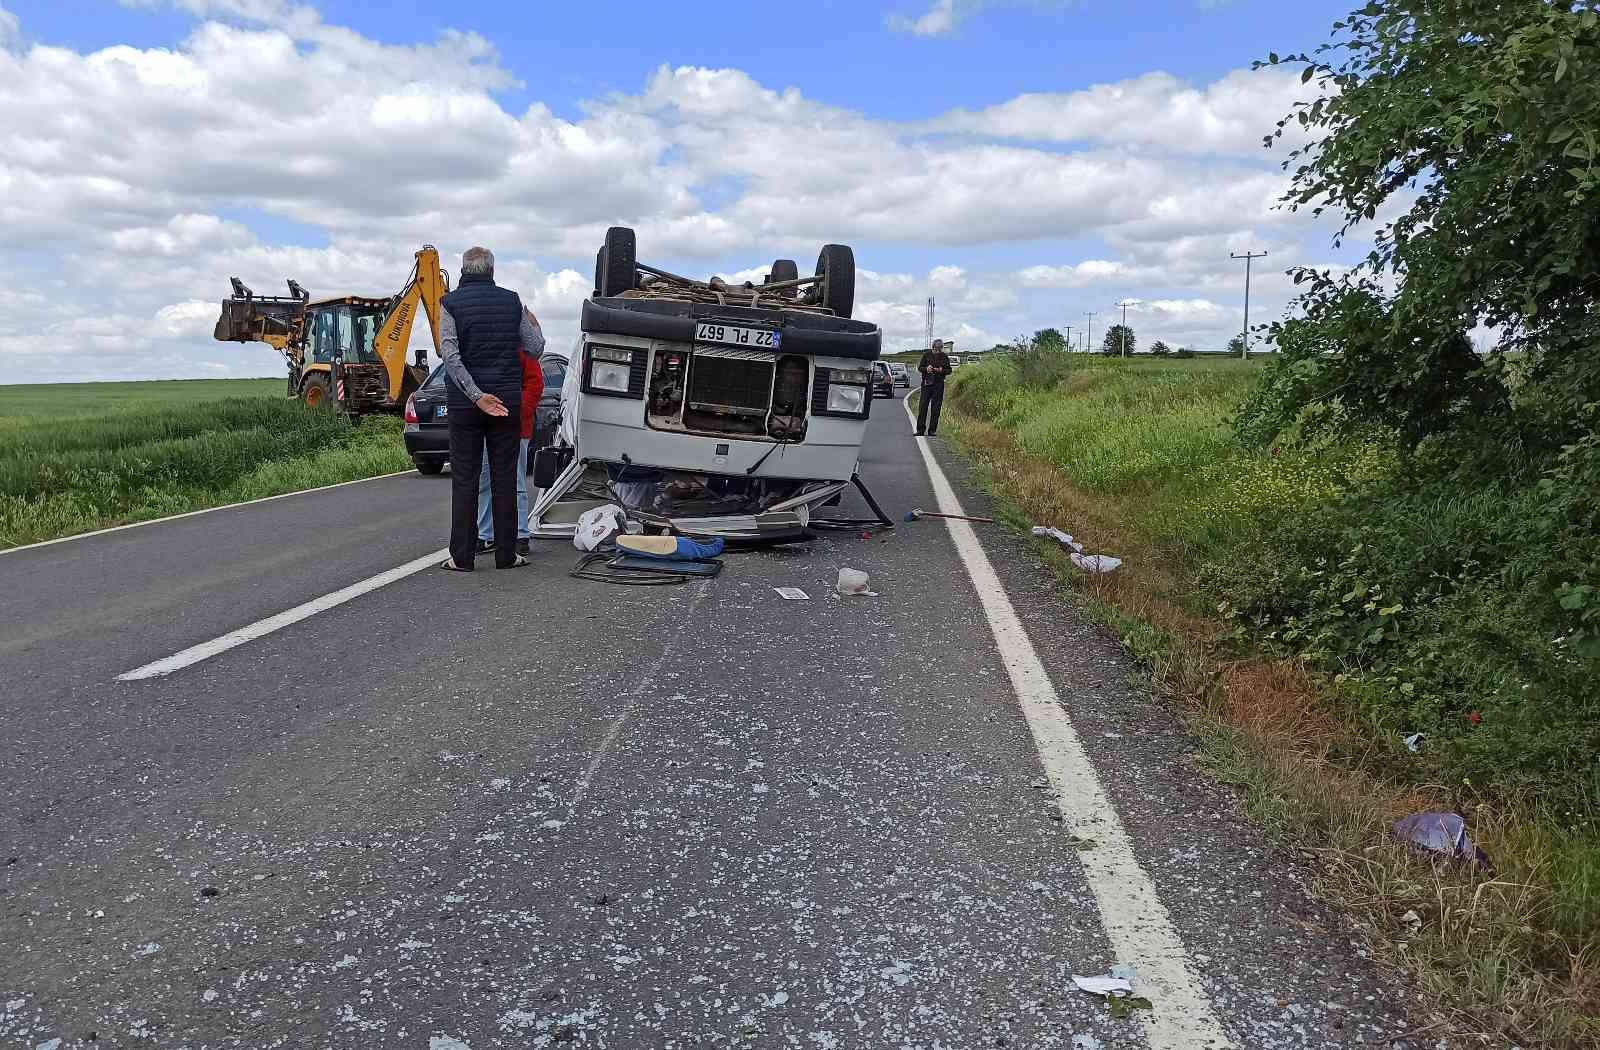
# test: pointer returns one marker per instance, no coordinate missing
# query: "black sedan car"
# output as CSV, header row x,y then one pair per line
x,y
882,380
427,432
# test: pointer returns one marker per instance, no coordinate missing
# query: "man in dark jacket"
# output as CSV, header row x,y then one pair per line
x,y
934,366
484,334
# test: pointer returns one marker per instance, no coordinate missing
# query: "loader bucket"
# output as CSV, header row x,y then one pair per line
x,y
249,318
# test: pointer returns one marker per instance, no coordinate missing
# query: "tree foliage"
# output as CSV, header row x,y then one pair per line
x,y
1113,344
1049,340
1463,138
1160,349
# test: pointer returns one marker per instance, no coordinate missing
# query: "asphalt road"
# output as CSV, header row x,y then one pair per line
x,y
513,809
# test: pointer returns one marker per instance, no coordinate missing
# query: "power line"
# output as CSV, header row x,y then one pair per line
x,y
1248,257
1124,333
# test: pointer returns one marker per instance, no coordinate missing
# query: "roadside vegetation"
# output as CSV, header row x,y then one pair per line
x,y
1313,603
78,457
1382,531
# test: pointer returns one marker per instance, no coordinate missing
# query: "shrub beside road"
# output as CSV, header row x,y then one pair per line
x,y
1317,600
78,457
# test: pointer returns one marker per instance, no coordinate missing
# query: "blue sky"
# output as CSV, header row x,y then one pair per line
x,y
1025,162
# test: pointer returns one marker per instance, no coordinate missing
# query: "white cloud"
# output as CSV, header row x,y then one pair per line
x,y
10,28
135,181
1231,115
940,19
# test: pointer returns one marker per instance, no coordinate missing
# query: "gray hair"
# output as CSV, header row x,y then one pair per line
x,y
477,262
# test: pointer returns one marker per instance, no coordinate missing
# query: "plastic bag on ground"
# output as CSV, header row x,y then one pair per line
x,y
1440,832
1095,562
598,527
853,582
1053,533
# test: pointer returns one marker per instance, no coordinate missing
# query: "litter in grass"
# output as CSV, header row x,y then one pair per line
x,y
1414,742
1053,533
1444,833
1095,562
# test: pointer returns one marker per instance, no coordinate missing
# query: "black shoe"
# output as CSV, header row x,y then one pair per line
x,y
933,433
486,546
920,434
524,547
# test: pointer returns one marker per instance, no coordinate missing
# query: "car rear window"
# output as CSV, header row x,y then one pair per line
x,y
555,371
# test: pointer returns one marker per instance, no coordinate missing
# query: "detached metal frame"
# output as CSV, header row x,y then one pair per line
x,y
790,513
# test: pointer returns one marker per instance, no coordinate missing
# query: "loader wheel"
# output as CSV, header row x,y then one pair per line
x,y
617,273
599,269
784,270
317,392
837,288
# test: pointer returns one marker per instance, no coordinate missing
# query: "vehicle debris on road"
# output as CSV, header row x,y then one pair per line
x,y
792,594
853,582
913,515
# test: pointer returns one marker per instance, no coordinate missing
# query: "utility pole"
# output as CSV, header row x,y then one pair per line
x,y
1088,340
929,340
1248,257
1124,333
1068,340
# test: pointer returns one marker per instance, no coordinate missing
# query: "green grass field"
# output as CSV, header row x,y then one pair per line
x,y
75,457
1314,603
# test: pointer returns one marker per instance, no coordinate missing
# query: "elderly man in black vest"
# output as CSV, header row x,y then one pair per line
x,y
484,334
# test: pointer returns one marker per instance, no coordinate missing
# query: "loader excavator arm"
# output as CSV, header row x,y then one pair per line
x,y
427,286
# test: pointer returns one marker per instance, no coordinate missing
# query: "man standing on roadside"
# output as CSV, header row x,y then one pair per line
x,y
484,334
532,391
934,366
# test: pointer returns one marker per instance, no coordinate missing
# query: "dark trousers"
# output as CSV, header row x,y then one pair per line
x,y
928,410
471,431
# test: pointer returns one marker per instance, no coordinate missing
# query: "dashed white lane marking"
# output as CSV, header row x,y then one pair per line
x,y
197,513
1135,920
205,650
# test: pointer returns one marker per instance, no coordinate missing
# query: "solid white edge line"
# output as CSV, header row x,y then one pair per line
x,y
205,650
196,513
1136,922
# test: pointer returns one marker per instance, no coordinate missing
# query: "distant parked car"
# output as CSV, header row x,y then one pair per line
x,y
882,380
901,376
955,362
427,432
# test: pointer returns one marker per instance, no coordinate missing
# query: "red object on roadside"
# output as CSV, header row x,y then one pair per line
x,y
1474,717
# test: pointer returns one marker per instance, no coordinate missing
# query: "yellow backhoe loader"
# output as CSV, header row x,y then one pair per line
x,y
348,352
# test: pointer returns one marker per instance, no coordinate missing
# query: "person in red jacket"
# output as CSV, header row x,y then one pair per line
x,y
532,391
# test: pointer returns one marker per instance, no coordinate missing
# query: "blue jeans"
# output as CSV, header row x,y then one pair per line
x,y
485,519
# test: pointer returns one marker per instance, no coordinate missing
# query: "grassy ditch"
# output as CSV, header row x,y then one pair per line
x,y
1311,606
79,457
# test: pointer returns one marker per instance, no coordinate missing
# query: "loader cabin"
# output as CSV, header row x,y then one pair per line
x,y
722,409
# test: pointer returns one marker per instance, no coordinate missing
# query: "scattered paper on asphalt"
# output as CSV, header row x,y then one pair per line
x,y
793,594
1103,985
